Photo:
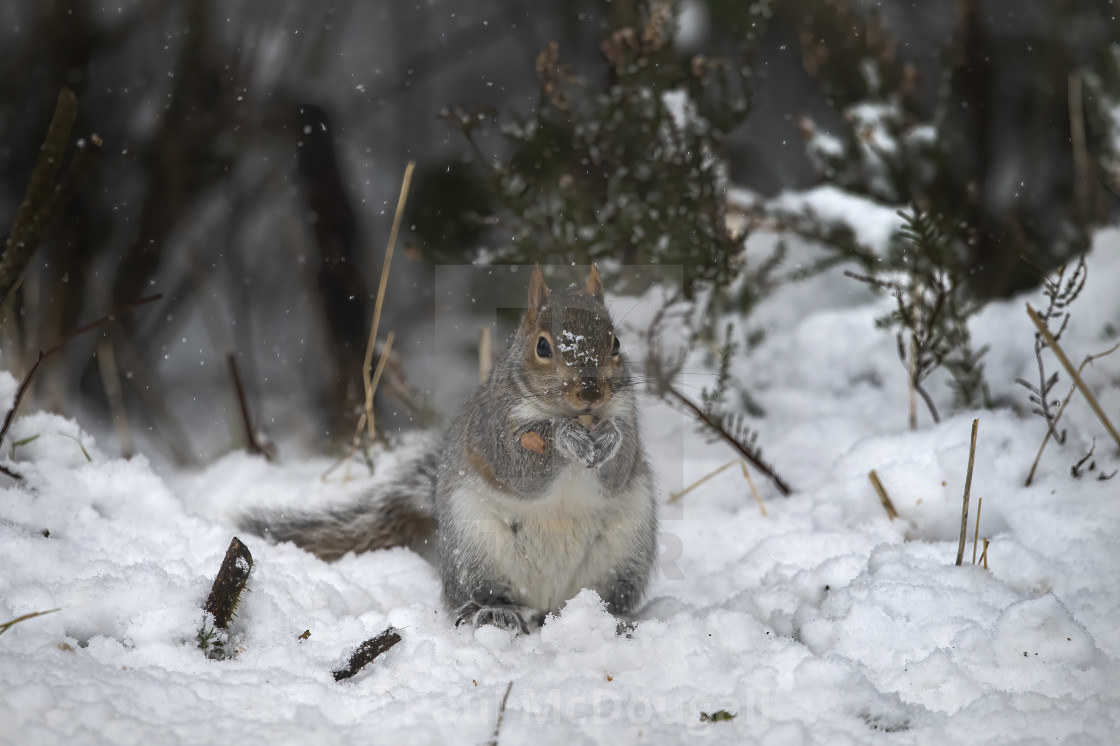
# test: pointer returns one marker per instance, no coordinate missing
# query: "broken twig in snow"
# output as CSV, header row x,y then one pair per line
x,y
967,490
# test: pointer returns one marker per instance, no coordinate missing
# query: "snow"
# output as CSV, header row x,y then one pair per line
x,y
873,223
825,622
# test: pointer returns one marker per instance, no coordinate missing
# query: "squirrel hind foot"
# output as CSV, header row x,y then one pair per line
x,y
503,617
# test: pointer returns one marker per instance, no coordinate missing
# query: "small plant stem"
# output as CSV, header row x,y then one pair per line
x,y
1062,409
967,490
883,496
1073,373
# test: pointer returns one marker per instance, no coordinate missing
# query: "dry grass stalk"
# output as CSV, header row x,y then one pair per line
x,y
1077,139
485,354
984,555
1073,373
883,496
9,624
393,232
1061,410
967,490
746,475
367,416
976,528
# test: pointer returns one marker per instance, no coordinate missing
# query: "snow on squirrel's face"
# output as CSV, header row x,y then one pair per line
x,y
569,346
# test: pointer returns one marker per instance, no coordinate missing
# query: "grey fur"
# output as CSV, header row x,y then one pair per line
x,y
520,532
397,514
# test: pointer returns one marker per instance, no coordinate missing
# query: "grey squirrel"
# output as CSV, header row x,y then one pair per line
x,y
541,487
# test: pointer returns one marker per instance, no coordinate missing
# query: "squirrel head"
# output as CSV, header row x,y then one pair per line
x,y
570,355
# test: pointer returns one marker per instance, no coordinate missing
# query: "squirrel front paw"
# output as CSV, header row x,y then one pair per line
x,y
574,442
608,439
504,617
593,447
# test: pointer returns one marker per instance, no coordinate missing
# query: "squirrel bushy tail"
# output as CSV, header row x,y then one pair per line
x,y
396,513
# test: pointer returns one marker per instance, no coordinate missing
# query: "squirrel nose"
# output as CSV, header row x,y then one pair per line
x,y
589,391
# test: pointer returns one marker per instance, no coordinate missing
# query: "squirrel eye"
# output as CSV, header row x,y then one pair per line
x,y
615,348
544,349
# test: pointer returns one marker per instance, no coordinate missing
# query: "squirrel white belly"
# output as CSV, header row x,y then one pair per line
x,y
540,488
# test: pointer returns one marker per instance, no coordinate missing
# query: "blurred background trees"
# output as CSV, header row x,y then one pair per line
x,y
253,152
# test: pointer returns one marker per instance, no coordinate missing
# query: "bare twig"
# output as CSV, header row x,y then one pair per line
x,y
1073,373
367,651
883,496
722,433
26,382
252,444
501,716
967,490
1062,409
984,555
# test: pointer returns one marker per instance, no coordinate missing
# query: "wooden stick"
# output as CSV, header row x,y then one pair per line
x,y
1073,373
367,651
229,583
967,489
397,217
976,532
884,498
501,716
1061,410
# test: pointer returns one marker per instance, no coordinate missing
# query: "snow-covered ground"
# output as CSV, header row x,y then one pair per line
x,y
824,622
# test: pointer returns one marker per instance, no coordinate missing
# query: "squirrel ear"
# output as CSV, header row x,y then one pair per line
x,y
538,291
595,283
